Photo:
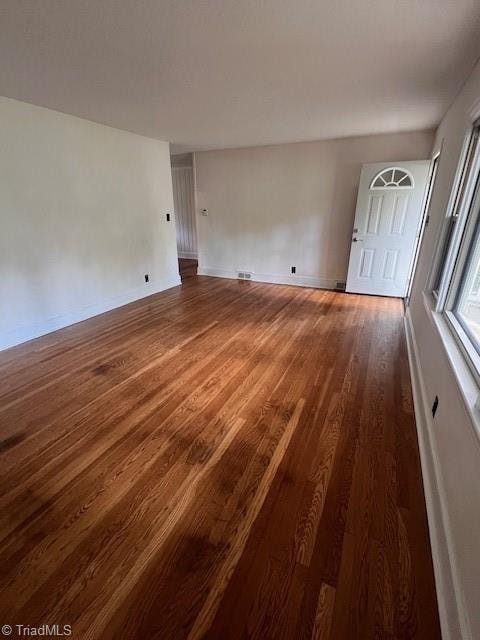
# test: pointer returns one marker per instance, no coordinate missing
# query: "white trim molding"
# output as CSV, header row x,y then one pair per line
x,y
294,279
453,618
22,334
190,255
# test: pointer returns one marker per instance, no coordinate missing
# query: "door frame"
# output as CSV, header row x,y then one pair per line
x,y
194,231
420,179
432,174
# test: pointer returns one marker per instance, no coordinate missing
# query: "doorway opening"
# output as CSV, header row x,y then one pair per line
x,y
183,182
387,227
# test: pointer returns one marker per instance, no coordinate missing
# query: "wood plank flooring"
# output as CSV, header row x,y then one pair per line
x,y
223,460
187,268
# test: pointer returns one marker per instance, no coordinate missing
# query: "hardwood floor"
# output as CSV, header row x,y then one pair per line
x,y
187,268
222,460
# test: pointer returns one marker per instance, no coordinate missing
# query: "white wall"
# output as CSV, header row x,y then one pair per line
x,y
279,206
451,456
82,218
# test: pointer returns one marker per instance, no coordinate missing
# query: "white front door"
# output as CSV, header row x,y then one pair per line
x,y
387,223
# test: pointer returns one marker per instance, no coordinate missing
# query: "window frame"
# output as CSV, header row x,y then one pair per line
x,y
453,223
464,216
469,343
389,185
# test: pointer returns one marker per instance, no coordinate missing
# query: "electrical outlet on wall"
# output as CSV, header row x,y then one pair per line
x,y
147,277
294,269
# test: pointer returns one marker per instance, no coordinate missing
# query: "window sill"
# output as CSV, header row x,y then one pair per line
x,y
466,381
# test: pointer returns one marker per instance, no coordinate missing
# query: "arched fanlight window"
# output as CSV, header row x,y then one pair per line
x,y
392,178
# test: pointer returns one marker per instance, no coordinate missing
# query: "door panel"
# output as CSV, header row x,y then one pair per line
x,y
390,264
385,230
366,263
400,206
374,212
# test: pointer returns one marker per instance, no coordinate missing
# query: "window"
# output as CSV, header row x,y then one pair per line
x,y
463,302
457,283
463,180
392,178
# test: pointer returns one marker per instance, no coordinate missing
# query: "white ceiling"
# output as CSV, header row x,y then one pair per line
x,y
226,73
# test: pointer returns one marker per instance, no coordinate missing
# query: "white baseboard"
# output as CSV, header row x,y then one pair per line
x,y
22,334
189,255
297,280
450,603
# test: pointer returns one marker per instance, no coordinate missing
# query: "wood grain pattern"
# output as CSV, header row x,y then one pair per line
x,y
222,460
187,268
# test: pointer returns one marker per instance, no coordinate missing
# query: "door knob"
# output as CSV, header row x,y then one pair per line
x,y
357,240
